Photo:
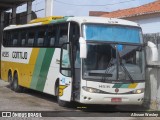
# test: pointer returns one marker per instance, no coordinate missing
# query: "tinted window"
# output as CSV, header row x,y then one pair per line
x,y
23,38
14,39
31,38
112,33
45,36
52,36
6,38
41,34
63,34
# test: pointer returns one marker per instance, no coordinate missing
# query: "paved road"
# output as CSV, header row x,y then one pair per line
x,y
35,101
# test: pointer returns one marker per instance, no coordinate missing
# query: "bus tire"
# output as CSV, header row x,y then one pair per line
x,y
10,80
60,102
16,86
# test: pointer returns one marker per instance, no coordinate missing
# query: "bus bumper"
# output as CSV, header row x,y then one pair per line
x,y
111,99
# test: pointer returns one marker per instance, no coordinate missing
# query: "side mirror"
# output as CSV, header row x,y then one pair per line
x,y
153,47
83,47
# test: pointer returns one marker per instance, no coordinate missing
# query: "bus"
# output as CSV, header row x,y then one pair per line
x,y
90,60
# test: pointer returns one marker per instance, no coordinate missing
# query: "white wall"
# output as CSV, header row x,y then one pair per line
x,y
149,24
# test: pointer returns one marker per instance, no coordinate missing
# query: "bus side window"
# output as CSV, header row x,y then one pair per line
x,y
23,39
52,41
40,38
40,41
31,38
23,42
63,34
9,38
15,37
15,41
6,38
52,36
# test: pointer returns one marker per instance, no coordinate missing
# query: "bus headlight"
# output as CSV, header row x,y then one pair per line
x,y
138,91
92,90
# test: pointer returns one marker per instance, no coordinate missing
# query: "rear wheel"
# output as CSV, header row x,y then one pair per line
x,y
10,80
60,102
16,86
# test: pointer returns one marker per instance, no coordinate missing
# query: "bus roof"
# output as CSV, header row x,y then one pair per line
x,y
80,20
102,20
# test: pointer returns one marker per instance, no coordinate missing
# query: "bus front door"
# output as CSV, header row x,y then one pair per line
x,y
65,82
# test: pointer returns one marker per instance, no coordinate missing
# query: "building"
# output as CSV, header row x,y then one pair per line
x,y
148,17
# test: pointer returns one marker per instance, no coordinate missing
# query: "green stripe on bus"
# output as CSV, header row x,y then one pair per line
x,y
117,85
125,85
37,68
44,69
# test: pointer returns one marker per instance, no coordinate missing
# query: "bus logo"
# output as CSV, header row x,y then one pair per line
x,y
116,90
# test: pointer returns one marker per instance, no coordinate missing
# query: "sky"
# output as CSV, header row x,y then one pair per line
x,y
82,7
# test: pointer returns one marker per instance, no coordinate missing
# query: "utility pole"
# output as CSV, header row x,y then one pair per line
x,y
14,14
48,8
29,11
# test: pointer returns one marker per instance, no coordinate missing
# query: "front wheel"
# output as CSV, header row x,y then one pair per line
x,y
16,86
60,102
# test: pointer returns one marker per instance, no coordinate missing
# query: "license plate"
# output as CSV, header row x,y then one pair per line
x,y
116,100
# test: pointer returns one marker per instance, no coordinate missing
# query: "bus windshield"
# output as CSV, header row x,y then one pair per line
x,y
112,33
112,62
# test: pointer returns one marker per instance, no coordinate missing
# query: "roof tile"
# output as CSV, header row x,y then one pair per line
x,y
153,7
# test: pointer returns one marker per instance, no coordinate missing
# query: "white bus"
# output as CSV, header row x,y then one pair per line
x,y
90,60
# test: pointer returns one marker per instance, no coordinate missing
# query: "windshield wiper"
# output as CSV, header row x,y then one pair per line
x,y
129,75
123,66
105,77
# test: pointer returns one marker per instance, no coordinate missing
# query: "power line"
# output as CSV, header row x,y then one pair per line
x,y
58,1
33,6
37,2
